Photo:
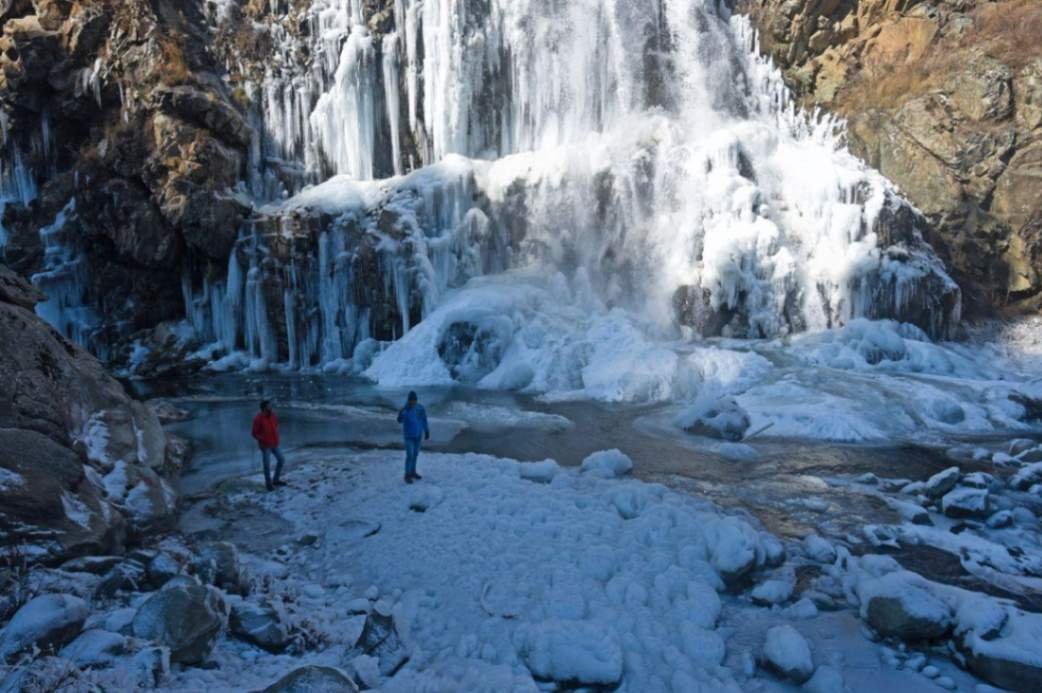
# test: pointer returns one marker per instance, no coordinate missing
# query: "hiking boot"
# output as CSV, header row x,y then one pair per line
x,y
270,487
416,476
408,479
278,482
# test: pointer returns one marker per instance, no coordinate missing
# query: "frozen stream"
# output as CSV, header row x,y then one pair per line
x,y
793,486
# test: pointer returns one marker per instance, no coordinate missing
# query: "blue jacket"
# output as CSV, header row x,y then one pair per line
x,y
414,421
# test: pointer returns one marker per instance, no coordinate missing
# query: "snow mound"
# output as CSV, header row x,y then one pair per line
x,y
571,652
788,653
541,472
607,464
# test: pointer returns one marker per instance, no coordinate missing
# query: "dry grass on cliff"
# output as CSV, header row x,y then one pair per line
x,y
175,65
1009,31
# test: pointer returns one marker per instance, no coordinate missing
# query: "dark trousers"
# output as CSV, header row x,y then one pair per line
x,y
412,451
266,453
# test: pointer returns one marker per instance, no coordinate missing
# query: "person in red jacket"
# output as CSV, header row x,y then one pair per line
x,y
266,433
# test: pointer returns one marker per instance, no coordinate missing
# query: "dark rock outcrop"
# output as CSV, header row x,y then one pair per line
x,y
79,459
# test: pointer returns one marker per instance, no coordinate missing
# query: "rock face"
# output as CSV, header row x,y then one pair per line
x,y
944,97
78,456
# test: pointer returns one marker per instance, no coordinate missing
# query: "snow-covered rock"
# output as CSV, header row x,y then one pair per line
x,y
901,605
95,648
1019,445
313,679
576,653
965,502
1012,658
724,419
818,549
423,498
95,565
942,482
607,464
776,590
1030,456
734,549
219,564
261,625
379,638
185,618
787,653
162,568
541,472
1027,477
50,620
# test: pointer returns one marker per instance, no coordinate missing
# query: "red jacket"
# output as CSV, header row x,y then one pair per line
x,y
266,430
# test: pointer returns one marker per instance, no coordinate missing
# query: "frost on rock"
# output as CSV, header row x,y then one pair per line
x,y
607,464
574,653
1010,658
723,419
185,618
1027,477
965,502
50,620
902,605
787,653
942,482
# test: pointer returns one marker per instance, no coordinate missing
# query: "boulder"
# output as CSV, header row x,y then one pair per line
x,y
161,569
1027,477
1009,659
962,502
95,648
47,621
818,549
261,625
185,618
219,565
313,679
787,653
128,576
379,638
734,549
942,482
900,605
723,419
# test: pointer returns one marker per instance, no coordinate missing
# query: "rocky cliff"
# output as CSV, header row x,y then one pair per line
x,y
81,463
944,97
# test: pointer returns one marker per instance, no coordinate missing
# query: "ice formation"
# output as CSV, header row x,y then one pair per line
x,y
635,156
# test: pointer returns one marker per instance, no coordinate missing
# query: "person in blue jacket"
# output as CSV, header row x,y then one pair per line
x,y
413,418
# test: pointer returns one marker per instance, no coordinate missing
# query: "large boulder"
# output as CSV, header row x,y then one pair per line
x,y
185,618
901,605
47,621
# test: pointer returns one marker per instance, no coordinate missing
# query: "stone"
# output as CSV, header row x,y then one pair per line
x,y
1000,520
787,653
965,502
819,549
95,648
776,590
47,621
379,638
225,559
1019,445
723,419
898,605
161,569
942,482
185,618
313,679
1016,190
261,625
128,576
1010,658
151,664
1030,456
1027,477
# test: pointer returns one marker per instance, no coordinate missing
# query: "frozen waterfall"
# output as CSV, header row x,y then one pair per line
x,y
640,153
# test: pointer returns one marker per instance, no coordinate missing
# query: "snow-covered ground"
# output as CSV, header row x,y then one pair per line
x,y
503,576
